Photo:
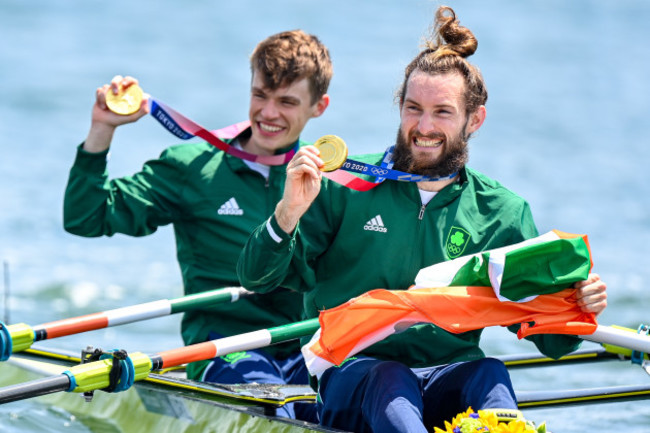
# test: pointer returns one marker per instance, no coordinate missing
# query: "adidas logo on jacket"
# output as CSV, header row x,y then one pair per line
x,y
375,224
230,208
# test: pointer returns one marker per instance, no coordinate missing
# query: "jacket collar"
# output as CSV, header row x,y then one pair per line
x,y
445,196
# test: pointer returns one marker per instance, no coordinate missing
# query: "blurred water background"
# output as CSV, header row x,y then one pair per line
x,y
568,109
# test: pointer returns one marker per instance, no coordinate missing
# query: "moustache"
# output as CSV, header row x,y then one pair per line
x,y
432,136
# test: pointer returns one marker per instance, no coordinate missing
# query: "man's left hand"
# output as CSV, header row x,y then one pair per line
x,y
592,294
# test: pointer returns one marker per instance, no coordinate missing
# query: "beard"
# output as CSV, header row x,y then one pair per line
x,y
453,158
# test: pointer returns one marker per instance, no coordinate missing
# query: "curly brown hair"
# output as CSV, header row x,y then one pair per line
x,y
445,52
289,56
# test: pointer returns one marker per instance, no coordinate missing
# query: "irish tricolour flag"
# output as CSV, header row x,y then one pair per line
x,y
529,282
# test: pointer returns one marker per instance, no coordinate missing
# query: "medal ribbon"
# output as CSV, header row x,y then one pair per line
x,y
184,128
381,173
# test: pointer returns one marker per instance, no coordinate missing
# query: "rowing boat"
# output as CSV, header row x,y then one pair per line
x,y
165,401
157,396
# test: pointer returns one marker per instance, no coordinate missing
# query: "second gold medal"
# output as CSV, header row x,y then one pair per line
x,y
333,152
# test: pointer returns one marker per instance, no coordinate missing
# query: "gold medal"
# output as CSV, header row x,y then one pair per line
x,y
127,101
333,152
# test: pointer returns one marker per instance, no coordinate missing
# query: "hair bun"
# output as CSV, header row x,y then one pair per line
x,y
449,37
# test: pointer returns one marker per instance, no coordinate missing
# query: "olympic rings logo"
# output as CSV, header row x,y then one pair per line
x,y
378,171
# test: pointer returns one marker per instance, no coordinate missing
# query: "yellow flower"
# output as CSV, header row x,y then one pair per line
x,y
487,422
516,426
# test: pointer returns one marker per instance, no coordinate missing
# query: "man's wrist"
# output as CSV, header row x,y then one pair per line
x,y
285,218
99,138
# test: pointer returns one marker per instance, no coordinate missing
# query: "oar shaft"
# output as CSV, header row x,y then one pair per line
x,y
95,375
294,330
22,336
34,388
577,357
206,299
236,343
619,337
136,313
532,399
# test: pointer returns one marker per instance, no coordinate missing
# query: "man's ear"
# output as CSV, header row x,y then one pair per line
x,y
476,119
321,105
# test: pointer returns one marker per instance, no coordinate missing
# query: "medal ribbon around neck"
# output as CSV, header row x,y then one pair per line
x,y
128,100
184,128
337,165
381,173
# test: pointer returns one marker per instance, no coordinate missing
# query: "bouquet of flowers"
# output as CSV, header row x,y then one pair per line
x,y
492,421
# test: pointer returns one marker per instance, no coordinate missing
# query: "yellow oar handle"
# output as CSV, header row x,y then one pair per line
x,y
22,336
96,375
14,338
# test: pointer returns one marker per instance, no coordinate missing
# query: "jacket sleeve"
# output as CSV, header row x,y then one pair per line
x,y
272,258
528,228
552,345
135,205
265,261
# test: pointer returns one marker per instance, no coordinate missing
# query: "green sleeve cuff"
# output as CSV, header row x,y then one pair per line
x,y
90,162
274,234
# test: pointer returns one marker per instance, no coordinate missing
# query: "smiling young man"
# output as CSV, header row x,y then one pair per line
x,y
335,243
214,200
432,138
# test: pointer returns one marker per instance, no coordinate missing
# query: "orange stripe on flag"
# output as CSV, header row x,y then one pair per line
x,y
362,321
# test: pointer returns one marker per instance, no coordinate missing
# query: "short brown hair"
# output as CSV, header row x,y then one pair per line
x,y
286,57
445,52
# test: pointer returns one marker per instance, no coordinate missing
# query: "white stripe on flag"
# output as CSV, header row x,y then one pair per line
x,y
315,364
497,262
442,274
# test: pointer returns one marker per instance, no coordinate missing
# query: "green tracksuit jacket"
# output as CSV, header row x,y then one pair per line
x,y
350,242
214,202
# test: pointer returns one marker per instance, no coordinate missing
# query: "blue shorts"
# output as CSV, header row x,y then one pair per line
x,y
260,367
368,395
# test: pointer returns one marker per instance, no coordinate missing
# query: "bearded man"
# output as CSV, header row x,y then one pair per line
x,y
334,243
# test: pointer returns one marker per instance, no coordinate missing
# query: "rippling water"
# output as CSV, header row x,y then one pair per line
x,y
566,128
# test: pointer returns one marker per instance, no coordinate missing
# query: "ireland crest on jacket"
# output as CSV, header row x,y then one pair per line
x,y
457,240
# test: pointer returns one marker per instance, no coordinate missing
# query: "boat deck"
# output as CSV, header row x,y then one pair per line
x,y
166,401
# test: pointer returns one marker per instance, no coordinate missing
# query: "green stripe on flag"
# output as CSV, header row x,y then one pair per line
x,y
536,269
545,268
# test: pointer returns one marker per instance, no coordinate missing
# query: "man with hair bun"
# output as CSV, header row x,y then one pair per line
x,y
214,200
315,242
